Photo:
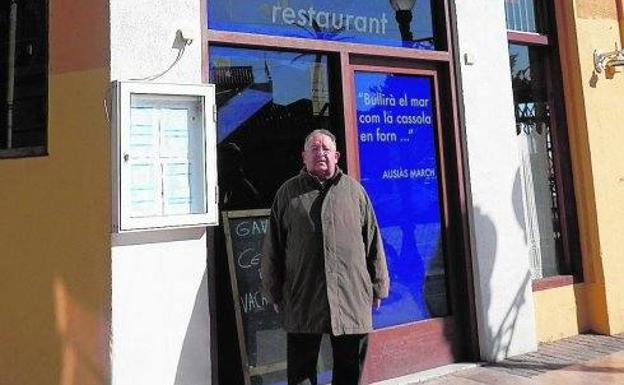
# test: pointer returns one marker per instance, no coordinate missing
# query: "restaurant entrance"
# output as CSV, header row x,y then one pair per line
x,y
389,98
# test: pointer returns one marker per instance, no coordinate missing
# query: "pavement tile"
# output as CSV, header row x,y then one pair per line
x,y
487,376
606,370
612,359
446,380
579,377
579,360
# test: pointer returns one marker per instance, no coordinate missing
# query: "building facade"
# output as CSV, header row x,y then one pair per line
x,y
486,132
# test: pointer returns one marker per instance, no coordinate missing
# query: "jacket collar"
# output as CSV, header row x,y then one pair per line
x,y
317,182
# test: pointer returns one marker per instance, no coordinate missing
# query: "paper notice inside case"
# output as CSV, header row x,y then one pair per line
x,y
143,132
177,188
144,194
175,132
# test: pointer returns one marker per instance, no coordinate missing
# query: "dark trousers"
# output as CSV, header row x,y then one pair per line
x,y
348,351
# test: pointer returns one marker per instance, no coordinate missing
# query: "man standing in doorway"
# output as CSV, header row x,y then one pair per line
x,y
323,264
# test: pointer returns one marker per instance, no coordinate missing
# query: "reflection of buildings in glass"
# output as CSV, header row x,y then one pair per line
x,y
537,172
268,133
414,265
403,16
232,77
435,282
319,90
237,191
406,302
417,273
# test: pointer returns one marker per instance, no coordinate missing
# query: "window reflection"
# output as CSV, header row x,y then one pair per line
x,y
537,175
529,88
267,103
353,21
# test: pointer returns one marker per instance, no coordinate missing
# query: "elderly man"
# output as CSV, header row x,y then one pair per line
x,y
323,264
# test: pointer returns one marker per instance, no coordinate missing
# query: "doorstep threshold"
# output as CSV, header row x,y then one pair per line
x,y
430,374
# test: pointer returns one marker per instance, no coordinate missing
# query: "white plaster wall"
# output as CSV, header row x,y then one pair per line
x,y
142,33
505,308
161,323
160,316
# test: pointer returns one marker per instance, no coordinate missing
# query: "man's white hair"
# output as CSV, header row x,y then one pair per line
x,y
319,131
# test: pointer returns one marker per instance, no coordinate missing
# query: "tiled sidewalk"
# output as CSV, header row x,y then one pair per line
x,y
585,359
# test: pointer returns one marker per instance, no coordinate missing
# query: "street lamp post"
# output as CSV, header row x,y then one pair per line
x,y
403,16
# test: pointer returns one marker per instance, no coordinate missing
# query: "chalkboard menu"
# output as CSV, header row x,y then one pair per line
x,y
262,342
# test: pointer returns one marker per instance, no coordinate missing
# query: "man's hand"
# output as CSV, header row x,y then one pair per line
x,y
276,307
376,303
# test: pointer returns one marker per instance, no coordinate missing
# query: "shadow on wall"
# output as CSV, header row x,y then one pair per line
x,y
501,337
55,295
83,335
55,261
194,365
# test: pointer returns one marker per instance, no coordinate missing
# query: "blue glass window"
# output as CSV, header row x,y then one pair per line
x,y
351,21
398,168
267,102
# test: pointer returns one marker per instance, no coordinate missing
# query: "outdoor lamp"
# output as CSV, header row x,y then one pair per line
x,y
403,16
604,60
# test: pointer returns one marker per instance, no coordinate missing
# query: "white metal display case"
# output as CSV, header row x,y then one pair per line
x,y
163,156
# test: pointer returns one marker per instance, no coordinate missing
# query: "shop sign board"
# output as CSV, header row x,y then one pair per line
x,y
350,21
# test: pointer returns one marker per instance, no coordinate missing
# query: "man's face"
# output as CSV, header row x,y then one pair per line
x,y
320,156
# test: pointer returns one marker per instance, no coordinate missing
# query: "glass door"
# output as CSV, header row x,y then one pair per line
x,y
399,169
398,156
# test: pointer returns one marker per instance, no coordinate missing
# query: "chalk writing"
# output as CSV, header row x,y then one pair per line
x,y
250,228
253,302
244,237
248,258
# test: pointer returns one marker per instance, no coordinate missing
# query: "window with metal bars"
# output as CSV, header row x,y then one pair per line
x,y
23,77
545,174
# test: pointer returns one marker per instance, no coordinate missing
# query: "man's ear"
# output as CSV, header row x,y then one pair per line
x,y
337,155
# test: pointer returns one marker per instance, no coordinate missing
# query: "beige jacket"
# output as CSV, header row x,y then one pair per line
x,y
323,260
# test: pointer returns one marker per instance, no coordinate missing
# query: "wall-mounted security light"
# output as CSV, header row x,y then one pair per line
x,y
182,39
604,60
